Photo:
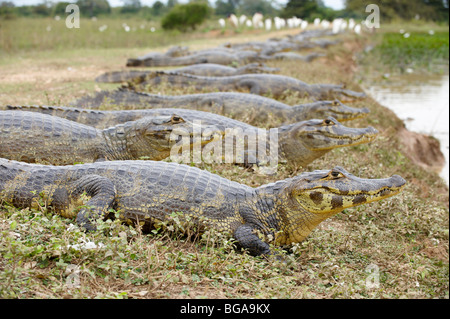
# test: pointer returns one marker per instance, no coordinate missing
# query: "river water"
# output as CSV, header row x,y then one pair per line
x,y
422,102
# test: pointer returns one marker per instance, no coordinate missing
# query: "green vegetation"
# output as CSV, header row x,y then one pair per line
x,y
185,16
309,10
418,49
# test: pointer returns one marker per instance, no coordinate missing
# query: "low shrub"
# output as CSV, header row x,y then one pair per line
x,y
185,17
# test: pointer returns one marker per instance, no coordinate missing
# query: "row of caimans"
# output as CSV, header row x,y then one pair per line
x,y
147,192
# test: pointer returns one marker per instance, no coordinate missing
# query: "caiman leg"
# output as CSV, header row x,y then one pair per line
x,y
102,195
252,86
246,238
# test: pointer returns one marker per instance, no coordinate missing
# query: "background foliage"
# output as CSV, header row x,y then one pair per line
x,y
436,10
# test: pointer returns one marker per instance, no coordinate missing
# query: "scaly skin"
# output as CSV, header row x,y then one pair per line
x,y
254,108
296,56
299,144
216,56
146,192
205,69
272,46
39,138
260,84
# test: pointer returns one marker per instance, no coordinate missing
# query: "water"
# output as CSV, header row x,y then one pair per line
x,y
422,102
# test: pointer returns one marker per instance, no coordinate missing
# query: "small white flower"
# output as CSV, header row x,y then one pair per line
x,y
406,35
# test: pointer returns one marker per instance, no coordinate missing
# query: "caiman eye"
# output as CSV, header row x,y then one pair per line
x,y
327,122
176,119
335,103
335,175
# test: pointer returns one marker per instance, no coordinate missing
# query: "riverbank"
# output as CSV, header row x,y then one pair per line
x,y
401,241
406,70
422,103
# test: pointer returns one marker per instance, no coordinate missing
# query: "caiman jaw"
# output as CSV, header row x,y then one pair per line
x,y
327,200
338,110
331,134
349,96
351,115
337,192
335,141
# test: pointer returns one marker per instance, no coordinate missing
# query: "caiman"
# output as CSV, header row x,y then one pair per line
x,y
39,138
148,192
296,56
274,84
253,108
205,69
217,56
271,46
298,143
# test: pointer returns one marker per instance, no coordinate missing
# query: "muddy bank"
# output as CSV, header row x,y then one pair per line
x,y
423,150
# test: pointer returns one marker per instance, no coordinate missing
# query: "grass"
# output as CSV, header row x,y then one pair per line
x,y
23,34
47,34
418,50
405,238
424,48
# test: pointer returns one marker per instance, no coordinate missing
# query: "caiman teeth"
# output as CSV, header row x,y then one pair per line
x,y
380,194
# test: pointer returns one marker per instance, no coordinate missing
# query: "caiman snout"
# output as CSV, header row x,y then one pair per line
x,y
371,131
365,110
397,181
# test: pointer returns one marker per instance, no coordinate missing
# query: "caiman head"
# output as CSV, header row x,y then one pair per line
x,y
323,109
257,68
326,91
154,137
308,199
305,141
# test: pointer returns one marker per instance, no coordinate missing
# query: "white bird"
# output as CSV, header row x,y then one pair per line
x,y
242,19
325,24
268,24
303,24
233,20
257,20
351,24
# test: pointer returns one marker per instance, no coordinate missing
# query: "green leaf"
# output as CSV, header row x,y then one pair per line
x,y
13,225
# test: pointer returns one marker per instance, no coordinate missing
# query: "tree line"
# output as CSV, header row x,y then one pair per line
x,y
436,10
